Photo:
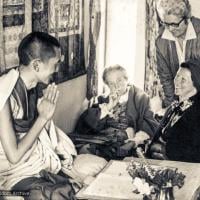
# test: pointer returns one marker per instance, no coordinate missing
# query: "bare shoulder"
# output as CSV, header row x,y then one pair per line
x,y
5,112
6,120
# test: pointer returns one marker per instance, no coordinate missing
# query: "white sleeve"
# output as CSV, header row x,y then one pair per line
x,y
7,83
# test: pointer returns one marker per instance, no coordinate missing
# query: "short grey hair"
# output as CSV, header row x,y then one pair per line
x,y
181,8
113,68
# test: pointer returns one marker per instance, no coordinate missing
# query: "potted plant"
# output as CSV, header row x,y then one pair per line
x,y
155,182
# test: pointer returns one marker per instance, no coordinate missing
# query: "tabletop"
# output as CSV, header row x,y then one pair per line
x,y
114,182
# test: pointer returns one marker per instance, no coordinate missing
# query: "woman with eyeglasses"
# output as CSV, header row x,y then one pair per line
x,y
178,40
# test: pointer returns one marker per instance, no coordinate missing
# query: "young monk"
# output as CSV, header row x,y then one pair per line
x,y
32,149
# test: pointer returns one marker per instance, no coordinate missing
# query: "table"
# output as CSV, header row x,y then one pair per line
x,y
114,183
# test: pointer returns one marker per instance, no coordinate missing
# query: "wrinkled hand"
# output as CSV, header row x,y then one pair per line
x,y
139,138
113,100
161,112
47,105
106,108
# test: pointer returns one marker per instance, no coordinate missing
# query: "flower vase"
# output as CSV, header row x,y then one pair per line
x,y
165,193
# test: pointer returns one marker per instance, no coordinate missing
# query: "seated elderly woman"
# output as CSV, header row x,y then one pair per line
x,y
124,113
178,136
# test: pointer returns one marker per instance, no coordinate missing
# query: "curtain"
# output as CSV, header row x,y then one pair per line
x,y
63,19
152,83
15,18
94,28
40,15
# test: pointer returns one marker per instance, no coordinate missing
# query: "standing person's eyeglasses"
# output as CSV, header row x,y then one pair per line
x,y
175,25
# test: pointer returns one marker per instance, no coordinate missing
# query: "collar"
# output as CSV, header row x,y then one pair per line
x,y
124,97
190,33
186,104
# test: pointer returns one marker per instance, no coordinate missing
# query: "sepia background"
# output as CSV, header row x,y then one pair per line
x,y
94,34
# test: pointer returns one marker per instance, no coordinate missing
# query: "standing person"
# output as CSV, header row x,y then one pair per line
x,y
178,40
32,149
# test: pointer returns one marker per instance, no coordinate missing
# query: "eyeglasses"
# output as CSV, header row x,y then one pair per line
x,y
175,25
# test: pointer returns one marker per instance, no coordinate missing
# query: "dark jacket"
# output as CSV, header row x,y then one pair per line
x,y
140,117
183,142
167,59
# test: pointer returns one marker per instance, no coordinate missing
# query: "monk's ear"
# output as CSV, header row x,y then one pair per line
x,y
36,64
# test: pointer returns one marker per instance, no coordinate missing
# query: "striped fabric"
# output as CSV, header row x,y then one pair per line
x,y
43,153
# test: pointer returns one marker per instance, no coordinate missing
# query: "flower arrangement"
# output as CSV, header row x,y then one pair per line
x,y
152,180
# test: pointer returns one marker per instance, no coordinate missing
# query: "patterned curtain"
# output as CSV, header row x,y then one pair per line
x,y
15,18
94,28
152,83
40,15
63,19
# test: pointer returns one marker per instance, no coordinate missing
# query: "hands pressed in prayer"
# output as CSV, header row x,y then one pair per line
x,y
47,105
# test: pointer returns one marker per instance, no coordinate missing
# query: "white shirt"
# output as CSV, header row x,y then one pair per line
x,y
190,34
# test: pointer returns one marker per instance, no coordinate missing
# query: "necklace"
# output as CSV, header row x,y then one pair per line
x,y
183,107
